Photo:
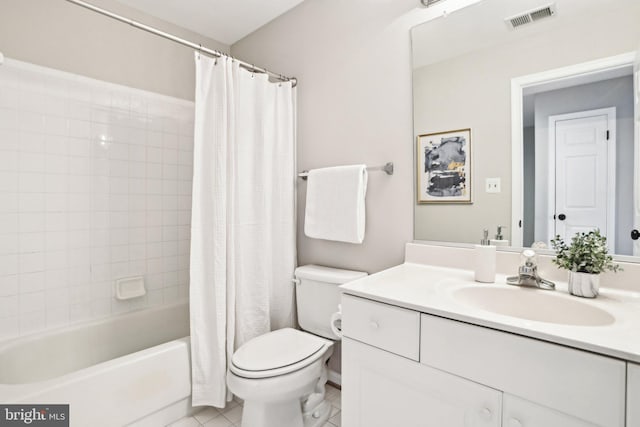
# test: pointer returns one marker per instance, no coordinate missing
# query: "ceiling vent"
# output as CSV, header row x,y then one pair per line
x,y
428,3
530,16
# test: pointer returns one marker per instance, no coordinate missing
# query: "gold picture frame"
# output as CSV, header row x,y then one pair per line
x,y
443,167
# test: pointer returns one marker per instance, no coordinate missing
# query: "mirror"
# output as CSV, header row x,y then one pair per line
x,y
533,80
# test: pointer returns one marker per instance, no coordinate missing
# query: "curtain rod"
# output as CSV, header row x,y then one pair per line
x,y
181,41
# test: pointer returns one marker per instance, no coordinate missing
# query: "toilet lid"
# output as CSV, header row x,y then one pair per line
x,y
277,349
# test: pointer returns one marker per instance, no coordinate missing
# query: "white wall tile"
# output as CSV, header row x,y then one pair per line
x,y
31,162
56,202
32,322
31,202
9,328
31,182
9,203
55,298
57,145
56,260
9,306
8,242
9,284
31,302
32,242
31,222
95,185
57,317
56,164
8,265
8,160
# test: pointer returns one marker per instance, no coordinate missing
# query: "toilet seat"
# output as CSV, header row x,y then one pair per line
x,y
277,353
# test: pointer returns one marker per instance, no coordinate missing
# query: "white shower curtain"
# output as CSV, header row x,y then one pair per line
x,y
243,219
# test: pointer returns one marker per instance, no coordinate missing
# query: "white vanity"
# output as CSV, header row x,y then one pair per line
x,y
427,346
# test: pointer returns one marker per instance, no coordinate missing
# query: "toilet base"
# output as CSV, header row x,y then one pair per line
x,y
284,414
319,416
294,400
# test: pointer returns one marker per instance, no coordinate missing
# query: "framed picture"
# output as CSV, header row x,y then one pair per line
x,y
443,172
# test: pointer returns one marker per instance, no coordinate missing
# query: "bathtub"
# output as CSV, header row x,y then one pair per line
x,y
130,369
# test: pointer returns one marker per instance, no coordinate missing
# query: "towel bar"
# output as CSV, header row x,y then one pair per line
x,y
387,168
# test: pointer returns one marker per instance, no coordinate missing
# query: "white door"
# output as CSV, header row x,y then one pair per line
x,y
583,197
381,389
635,233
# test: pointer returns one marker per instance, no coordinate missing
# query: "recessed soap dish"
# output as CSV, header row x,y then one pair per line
x,y
130,287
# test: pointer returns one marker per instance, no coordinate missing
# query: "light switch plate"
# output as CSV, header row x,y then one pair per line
x,y
493,185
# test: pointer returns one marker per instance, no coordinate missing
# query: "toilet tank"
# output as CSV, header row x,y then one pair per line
x,y
318,296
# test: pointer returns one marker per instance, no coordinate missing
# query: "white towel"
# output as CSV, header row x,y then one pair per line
x,y
336,203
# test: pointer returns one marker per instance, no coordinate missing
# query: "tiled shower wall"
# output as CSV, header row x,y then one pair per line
x,y
95,185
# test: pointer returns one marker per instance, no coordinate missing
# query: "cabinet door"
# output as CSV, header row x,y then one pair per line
x,y
633,395
380,389
522,413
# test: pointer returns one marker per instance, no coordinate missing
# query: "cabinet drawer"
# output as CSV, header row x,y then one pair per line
x,y
577,383
384,326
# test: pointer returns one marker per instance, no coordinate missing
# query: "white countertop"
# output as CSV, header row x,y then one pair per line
x,y
430,290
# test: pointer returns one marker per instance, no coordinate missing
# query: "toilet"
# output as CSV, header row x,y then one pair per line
x,y
281,375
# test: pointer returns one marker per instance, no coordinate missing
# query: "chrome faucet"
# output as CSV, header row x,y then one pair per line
x,y
528,273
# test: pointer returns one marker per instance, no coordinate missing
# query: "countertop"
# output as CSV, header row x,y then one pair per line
x,y
432,290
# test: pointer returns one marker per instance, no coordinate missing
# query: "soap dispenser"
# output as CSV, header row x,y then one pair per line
x,y
485,260
499,240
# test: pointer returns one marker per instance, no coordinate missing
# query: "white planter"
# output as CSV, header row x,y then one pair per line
x,y
584,284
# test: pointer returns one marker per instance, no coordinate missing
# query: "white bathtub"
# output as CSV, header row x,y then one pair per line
x,y
128,369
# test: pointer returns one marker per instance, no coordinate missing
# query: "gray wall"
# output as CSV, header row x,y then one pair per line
x,y
58,34
353,61
609,93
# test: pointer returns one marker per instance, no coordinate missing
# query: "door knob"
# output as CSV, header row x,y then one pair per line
x,y
486,414
635,234
514,422
562,217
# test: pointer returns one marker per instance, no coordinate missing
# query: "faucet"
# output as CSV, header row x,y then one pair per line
x,y
528,273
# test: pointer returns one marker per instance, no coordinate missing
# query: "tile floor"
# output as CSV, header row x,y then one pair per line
x,y
232,414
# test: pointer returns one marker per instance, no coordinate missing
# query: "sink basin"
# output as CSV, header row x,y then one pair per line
x,y
534,304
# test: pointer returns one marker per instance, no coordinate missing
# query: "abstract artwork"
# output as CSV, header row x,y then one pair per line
x,y
444,167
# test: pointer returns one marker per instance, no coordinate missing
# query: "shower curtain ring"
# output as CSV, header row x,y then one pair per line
x,y
199,50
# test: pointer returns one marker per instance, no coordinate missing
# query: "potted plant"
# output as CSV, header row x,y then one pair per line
x,y
585,258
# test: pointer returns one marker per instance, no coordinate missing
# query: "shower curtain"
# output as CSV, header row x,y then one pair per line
x,y
243,217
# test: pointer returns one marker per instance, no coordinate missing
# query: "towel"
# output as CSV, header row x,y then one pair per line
x,y
335,203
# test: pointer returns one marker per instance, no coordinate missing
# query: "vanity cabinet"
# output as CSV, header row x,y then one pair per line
x,y
633,395
467,375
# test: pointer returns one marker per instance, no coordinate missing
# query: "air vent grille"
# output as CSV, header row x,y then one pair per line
x,y
520,20
546,12
530,16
